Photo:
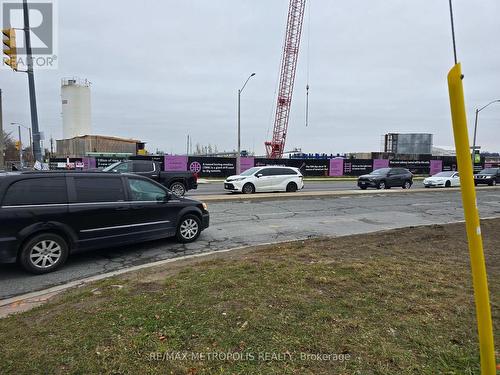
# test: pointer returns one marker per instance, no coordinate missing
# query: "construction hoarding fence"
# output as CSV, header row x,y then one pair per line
x,y
221,167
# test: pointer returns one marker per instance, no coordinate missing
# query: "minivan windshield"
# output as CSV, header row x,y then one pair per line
x,y
381,171
249,172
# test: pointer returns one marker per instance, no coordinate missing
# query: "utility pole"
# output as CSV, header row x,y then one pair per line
x,y
2,147
31,84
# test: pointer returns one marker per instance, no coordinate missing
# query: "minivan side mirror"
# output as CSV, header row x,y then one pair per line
x,y
259,175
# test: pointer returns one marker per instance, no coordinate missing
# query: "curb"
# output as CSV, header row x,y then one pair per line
x,y
234,197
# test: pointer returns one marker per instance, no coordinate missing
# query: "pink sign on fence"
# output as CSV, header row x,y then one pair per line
x,y
176,163
247,163
436,167
380,163
336,167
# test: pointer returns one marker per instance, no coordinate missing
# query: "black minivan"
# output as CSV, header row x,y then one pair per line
x,y
45,216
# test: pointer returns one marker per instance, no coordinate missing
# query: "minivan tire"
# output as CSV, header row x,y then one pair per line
x,y
43,248
291,187
189,229
407,184
178,189
248,188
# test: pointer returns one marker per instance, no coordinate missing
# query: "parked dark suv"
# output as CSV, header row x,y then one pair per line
x,y
45,216
488,176
385,178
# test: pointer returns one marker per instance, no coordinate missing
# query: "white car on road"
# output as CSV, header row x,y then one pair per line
x,y
443,179
261,179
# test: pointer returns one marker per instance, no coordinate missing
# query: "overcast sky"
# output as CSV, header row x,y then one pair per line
x,y
163,69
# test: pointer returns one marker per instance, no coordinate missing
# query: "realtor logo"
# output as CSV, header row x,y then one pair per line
x,y
43,31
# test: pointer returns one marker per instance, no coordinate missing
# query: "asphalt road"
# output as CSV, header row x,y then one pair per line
x,y
246,223
213,188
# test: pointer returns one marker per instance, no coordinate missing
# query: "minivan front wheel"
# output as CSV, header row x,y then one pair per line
x,y
43,253
248,188
291,187
189,229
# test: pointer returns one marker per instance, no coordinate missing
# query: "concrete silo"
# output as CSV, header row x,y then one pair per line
x,y
75,95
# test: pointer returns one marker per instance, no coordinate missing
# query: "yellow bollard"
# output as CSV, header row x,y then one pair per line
x,y
478,266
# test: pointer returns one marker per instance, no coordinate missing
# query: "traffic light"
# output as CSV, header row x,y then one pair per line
x,y
18,145
11,49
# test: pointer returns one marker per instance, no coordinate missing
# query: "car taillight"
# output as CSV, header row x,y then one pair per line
x,y
195,175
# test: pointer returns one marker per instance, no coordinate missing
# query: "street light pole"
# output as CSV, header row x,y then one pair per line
x,y
475,130
20,147
238,155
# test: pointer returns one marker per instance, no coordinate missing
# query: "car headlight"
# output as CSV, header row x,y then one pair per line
x,y
205,206
238,179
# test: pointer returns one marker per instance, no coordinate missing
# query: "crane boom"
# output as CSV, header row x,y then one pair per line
x,y
275,147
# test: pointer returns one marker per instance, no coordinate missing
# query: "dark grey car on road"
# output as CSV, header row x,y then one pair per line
x,y
385,178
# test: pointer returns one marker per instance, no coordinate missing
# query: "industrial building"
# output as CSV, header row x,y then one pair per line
x,y
409,143
85,145
76,110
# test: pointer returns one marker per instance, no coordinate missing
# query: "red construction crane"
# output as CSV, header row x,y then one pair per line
x,y
275,148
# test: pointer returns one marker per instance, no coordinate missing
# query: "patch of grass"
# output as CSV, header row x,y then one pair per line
x,y
398,302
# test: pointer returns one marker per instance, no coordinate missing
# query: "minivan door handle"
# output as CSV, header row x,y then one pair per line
x,y
121,208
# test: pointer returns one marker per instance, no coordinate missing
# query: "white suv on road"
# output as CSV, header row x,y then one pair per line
x,y
260,179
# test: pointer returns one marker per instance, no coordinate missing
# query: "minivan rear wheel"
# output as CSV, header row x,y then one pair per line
x,y
43,253
189,229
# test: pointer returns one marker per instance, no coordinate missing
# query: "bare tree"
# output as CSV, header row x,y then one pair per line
x,y
9,147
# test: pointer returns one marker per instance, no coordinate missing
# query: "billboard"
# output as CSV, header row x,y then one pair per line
x,y
176,163
415,166
212,166
308,167
357,167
